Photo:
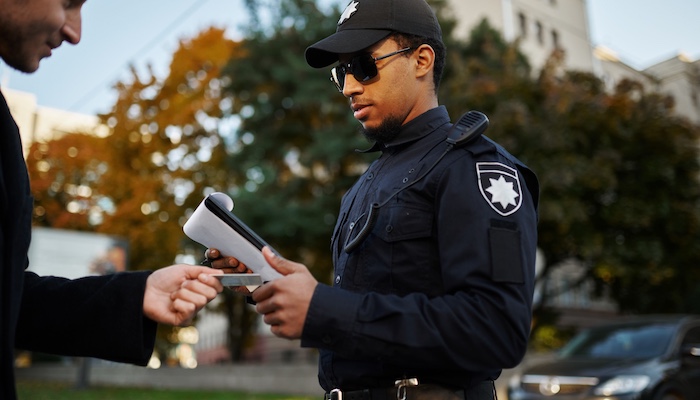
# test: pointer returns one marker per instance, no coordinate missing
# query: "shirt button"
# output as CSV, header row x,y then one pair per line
x,y
370,176
326,339
405,180
337,279
389,228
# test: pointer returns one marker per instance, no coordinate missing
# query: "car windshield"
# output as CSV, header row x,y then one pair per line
x,y
621,342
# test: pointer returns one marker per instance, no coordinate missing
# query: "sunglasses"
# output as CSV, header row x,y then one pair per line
x,y
362,67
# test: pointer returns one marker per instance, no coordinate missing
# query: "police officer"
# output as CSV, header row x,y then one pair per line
x,y
434,247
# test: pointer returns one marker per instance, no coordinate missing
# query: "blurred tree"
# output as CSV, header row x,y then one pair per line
x,y
165,148
163,152
293,155
618,171
64,174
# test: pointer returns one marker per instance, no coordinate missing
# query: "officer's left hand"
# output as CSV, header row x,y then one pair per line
x,y
230,265
284,302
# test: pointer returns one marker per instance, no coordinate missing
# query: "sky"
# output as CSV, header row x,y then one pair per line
x,y
117,34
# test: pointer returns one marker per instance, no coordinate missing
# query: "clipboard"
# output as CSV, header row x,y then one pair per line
x,y
213,225
233,222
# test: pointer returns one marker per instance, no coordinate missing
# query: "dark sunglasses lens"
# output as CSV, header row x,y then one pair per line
x,y
364,68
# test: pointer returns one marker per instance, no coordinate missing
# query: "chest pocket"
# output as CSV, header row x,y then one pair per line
x,y
403,257
404,223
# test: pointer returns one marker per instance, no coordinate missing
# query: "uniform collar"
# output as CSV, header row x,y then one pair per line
x,y
417,128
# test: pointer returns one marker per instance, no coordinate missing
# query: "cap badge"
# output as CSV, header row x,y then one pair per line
x,y
500,187
349,11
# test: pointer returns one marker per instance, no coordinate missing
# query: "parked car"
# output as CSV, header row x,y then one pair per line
x,y
639,358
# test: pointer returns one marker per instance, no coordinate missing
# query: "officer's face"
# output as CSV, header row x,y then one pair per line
x,y
31,29
391,95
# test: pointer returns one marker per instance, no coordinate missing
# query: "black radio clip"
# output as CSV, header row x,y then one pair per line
x,y
470,126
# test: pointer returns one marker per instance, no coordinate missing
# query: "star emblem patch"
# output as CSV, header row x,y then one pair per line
x,y
500,186
349,11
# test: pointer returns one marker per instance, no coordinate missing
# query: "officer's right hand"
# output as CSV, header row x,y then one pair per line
x,y
284,302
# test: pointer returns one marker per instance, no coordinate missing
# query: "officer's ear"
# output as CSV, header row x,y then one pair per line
x,y
425,60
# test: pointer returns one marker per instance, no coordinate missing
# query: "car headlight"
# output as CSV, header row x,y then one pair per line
x,y
622,384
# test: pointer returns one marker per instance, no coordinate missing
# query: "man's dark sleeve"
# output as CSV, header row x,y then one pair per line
x,y
97,316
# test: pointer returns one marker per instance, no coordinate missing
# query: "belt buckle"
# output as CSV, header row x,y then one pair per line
x,y
401,386
336,394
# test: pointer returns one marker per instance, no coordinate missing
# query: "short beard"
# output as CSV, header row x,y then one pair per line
x,y
385,132
13,52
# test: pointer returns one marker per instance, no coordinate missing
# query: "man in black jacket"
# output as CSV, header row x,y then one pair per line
x,y
434,246
112,317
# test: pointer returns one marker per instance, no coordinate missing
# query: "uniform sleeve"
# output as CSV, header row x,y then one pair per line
x,y
98,316
486,230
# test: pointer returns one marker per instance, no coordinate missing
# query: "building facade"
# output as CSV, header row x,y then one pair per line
x,y
37,123
541,26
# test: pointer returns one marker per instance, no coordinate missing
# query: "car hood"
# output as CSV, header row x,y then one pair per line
x,y
590,367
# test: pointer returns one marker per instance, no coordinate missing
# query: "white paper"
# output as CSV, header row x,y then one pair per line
x,y
206,228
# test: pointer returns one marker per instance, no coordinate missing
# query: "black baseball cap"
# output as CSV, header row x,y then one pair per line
x,y
366,22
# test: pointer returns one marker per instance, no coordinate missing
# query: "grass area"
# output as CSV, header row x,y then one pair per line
x,y
62,391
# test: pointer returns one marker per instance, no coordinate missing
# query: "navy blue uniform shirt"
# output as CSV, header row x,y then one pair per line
x,y
441,289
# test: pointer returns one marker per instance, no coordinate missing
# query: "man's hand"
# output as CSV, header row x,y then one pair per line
x,y
230,265
176,293
285,302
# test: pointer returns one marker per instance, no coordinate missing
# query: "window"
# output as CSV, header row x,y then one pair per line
x,y
540,32
523,24
555,39
620,342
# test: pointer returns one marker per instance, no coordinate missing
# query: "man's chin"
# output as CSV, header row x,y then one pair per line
x,y
26,66
30,68
384,132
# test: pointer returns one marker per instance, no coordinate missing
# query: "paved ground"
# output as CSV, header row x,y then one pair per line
x,y
297,379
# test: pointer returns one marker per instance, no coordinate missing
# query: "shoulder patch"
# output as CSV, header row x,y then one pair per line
x,y
500,186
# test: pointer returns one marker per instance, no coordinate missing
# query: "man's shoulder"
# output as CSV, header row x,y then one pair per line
x,y
485,149
484,152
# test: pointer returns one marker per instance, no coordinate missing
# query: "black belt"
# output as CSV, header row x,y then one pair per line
x,y
483,391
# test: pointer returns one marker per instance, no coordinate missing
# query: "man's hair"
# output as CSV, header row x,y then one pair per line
x,y
413,41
